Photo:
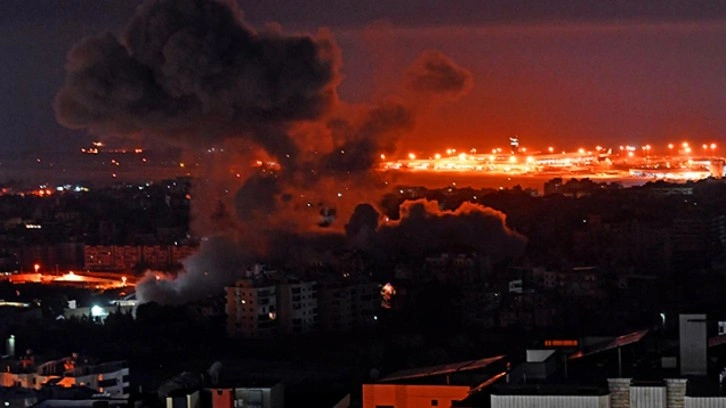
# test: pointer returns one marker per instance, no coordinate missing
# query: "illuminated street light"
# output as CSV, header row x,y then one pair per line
x,y
96,311
36,267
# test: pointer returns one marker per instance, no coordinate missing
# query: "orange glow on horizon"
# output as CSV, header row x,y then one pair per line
x,y
629,162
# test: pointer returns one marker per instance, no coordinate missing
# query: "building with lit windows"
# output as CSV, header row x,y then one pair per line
x,y
252,308
110,378
125,257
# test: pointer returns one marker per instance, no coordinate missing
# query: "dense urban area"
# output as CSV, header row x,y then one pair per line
x,y
582,264
200,208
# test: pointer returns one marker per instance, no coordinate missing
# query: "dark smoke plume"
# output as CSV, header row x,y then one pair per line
x,y
433,73
424,229
361,228
364,218
357,146
322,188
191,73
193,69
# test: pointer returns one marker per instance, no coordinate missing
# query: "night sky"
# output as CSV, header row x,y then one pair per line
x,y
561,72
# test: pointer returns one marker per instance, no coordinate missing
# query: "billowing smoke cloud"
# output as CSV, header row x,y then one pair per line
x,y
361,228
192,73
216,264
425,229
359,145
364,218
433,73
192,69
322,187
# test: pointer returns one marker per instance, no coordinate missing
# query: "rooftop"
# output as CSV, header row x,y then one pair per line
x,y
444,369
617,342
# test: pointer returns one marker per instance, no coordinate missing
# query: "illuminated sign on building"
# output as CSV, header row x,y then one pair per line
x,y
561,343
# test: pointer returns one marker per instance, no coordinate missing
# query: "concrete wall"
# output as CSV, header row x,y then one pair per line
x,y
676,392
625,395
619,392
550,401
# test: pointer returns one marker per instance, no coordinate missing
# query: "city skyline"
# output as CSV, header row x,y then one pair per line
x,y
268,203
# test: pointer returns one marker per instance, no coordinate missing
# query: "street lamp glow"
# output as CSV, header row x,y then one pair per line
x,y
96,311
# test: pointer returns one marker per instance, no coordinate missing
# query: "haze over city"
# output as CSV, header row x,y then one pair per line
x,y
270,204
565,74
